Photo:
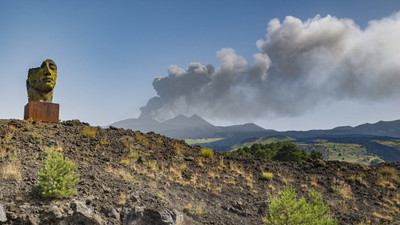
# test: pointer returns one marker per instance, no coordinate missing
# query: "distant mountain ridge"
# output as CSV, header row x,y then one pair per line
x,y
183,127
195,127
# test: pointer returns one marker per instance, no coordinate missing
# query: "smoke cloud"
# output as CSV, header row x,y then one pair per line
x,y
299,66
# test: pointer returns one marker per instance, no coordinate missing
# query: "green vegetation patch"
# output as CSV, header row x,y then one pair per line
x,y
57,176
263,140
202,140
207,153
394,143
287,152
353,153
286,209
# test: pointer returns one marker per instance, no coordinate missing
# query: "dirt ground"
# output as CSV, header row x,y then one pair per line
x,y
122,171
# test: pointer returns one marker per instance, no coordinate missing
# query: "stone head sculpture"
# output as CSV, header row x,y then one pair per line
x,y
41,81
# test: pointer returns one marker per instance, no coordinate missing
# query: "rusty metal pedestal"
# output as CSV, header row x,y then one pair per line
x,y
42,111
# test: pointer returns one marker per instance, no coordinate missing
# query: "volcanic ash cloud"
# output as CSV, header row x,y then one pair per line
x,y
299,65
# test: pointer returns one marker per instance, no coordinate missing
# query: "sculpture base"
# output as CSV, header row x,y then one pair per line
x,y
42,111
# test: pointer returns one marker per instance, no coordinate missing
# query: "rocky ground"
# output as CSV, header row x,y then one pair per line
x,y
127,177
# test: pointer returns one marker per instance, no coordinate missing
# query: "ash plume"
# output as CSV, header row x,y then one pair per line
x,y
300,64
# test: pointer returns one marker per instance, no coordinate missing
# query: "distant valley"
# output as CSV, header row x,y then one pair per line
x,y
366,143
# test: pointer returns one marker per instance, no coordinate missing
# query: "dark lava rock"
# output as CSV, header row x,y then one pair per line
x,y
142,216
128,177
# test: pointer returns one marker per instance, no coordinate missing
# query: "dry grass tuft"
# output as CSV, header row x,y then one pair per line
x,y
89,132
380,216
10,170
388,176
122,198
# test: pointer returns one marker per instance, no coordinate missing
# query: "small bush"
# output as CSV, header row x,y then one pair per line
x,y
268,176
57,176
207,153
89,132
286,209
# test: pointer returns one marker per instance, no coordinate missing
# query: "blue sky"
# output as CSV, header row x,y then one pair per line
x,y
109,52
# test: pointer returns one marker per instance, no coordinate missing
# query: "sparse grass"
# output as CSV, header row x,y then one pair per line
x,y
18,195
38,124
8,137
199,162
249,180
221,164
182,182
380,216
207,153
161,195
10,170
51,149
178,148
3,152
104,141
198,211
267,176
339,205
341,188
37,137
388,176
271,187
176,172
124,162
122,174
133,155
151,164
12,128
314,181
122,198
363,166
143,140
89,132
229,181
193,179
182,166
217,190
364,222
127,141
27,126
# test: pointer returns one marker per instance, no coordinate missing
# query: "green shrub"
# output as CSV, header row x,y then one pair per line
x,y
207,153
289,152
268,176
286,209
57,176
314,154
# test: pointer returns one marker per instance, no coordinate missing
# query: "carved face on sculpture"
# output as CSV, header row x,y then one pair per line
x,y
41,82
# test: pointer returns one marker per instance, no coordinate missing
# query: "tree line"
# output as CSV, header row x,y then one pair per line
x,y
287,152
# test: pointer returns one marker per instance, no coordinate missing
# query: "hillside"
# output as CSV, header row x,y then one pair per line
x,y
128,177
